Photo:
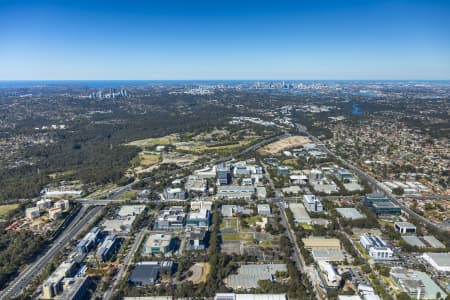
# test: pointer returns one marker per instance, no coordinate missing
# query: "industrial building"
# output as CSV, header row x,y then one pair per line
x,y
350,213
405,227
418,285
329,276
312,203
320,243
148,272
300,213
107,248
439,261
249,275
130,210
159,243
327,255
235,192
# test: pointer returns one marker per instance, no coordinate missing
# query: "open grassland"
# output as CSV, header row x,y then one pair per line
x,y
5,209
283,144
164,140
148,159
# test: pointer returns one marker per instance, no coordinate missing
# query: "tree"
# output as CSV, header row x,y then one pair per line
x,y
398,191
403,296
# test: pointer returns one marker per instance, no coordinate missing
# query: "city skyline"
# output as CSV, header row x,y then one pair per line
x,y
324,40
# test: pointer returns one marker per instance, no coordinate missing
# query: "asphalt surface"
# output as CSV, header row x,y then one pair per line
x,y
24,278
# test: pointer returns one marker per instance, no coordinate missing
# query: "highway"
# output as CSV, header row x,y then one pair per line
x,y
377,186
23,279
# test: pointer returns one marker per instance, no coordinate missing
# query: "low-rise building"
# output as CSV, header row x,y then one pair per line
x,y
229,210
107,248
233,296
159,243
404,227
148,272
235,192
418,285
32,213
350,213
174,194
439,261
312,203
199,205
197,240
196,183
320,243
283,171
264,209
327,255
89,241
198,219
54,213
170,219
299,212
376,247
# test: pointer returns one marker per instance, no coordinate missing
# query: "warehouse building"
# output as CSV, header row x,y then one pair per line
x,y
300,213
439,261
320,243
249,275
350,213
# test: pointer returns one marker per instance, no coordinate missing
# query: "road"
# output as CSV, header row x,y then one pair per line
x,y
126,263
79,223
375,184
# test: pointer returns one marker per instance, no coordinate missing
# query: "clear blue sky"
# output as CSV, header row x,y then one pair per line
x,y
311,39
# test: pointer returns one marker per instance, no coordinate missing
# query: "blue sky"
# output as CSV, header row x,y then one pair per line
x,y
312,39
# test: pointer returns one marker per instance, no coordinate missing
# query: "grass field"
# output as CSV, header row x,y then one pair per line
x,y
147,159
164,140
237,236
5,209
252,220
306,226
127,195
229,223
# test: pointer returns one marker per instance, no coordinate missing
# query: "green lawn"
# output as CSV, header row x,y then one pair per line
x,y
5,209
306,226
229,223
252,220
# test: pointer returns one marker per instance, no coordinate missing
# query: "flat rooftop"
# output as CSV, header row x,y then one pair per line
x,y
350,213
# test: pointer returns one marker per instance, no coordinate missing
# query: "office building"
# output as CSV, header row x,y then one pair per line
x,y
198,219
404,227
107,248
264,209
223,173
312,203
174,194
159,243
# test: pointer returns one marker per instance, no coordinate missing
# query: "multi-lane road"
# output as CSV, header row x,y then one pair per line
x,y
83,220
